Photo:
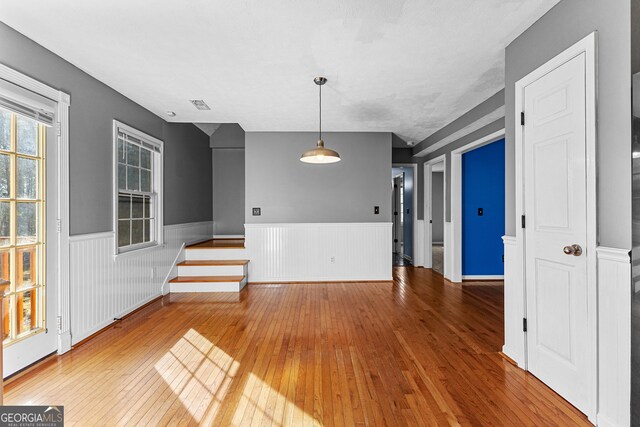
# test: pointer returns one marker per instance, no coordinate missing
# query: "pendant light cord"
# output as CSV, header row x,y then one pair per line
x,y
320,111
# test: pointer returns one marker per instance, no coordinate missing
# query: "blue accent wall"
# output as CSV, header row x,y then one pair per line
x,y
407,234
483,187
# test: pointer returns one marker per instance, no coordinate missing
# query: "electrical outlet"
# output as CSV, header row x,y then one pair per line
x,y
333,260
256,211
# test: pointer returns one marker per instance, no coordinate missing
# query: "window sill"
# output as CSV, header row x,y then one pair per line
x,y
138,251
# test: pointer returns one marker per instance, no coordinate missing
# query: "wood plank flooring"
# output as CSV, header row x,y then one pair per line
x,y
418,351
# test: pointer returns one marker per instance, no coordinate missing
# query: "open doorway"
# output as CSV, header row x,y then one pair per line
x,y
437,217
477,210
403,215
435,184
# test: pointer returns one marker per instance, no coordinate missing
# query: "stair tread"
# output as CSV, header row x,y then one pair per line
x,y
219,244
199,263
206,279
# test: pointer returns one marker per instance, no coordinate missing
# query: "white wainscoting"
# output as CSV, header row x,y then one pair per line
x,y
448,253
418,246
614,337
514,339
319,252
104,287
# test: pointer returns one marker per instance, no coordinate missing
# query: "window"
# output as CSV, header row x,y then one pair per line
x,y
138,184
22,213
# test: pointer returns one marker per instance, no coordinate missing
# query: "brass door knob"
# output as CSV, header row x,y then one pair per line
x,y
575,250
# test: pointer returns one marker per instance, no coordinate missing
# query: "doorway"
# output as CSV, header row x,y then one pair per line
x,y
555,169
436,230
437,217
34,219
403,214
483,212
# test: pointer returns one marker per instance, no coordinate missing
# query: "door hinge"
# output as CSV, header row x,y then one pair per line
x,y
522,118
524,324
59,323
524,221
58,129
58,225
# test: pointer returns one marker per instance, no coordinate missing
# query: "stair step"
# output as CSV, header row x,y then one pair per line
x,y
206,279
218,262
231,243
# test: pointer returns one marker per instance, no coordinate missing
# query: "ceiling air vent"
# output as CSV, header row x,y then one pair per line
x,y
200,104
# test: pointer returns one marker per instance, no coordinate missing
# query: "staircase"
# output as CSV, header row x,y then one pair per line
x,y
217,265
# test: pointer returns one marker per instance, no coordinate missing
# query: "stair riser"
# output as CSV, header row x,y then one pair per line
x,y
208,287
215,254
213,270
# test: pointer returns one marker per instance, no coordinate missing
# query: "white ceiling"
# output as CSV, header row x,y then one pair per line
x,y
405,66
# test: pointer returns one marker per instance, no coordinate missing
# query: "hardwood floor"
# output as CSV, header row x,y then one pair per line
x,y
417,351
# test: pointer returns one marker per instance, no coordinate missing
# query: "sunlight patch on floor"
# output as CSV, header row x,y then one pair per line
x,y
260,404
199,373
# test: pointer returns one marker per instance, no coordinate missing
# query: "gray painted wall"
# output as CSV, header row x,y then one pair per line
x,y
465,140
403,155
228,179
228,135
477,113
94,105
289,190
228,190
488,106
568,22
187,167
437,214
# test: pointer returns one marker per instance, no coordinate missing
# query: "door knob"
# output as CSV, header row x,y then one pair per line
x,y
575,250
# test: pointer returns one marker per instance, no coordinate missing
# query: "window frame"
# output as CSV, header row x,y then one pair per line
x,y
157,189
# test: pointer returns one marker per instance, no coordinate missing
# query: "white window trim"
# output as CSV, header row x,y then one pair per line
x,y
158,186
63,102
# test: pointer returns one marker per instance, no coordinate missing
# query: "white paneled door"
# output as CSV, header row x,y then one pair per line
x,y
555,206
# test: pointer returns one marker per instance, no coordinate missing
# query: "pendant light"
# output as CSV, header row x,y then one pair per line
x,y
320,155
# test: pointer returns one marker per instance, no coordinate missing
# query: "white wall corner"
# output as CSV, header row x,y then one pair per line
x,y
419,244
614,337
514,338
448,251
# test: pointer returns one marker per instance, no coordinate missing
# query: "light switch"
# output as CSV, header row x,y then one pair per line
x,y
376,210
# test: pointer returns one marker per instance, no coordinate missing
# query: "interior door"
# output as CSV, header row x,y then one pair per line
x,y
555,230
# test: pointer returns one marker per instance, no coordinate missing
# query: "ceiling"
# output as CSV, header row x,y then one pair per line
x,y
403,66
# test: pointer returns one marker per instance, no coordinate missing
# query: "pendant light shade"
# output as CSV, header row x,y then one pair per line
x,y
320,155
